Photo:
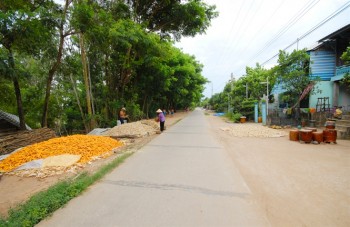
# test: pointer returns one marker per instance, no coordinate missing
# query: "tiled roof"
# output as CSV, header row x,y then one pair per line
x,y
11,118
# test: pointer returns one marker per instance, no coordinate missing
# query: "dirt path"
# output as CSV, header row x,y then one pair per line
x,y
15,190
296,184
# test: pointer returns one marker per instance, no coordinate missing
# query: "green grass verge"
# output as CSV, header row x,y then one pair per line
x,y
44,203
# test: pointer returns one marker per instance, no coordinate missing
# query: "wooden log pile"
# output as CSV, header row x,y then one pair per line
x,y
24,138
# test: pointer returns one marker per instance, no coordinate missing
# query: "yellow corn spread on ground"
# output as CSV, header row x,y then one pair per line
x,y
87,146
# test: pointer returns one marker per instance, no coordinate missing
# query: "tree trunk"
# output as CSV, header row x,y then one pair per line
x,y
54,68
86,81
79,105
16,86
144,103
109,110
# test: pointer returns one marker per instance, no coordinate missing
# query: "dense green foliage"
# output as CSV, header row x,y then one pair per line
x,y
241,94
73,66
45,203
291,74
346,58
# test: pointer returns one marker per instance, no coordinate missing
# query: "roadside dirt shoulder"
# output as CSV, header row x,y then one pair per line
x,y
295,184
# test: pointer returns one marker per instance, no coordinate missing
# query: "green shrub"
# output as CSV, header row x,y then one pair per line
x,y
247,108
234,117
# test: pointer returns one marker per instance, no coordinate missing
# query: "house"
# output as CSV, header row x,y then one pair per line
x,y
9,123
326,66
330,69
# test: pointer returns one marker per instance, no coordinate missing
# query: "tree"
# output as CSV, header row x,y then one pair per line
x,y
24,27
346,58
116,51
293,71
173,17
63,32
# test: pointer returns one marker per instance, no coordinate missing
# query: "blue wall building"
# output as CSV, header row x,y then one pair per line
x,y
327,66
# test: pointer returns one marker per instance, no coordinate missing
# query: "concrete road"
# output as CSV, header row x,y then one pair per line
x,y
183,177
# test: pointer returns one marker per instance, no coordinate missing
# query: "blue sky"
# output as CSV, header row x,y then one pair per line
x,y
251,31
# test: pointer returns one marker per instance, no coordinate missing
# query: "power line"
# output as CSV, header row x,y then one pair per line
x,y
263,27
231,29
290,23
249,22
334,14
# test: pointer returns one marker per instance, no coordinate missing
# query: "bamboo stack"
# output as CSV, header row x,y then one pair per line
x,y
24,138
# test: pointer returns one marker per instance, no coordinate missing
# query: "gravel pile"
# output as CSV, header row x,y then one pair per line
x,y
253,130
151,123
133,130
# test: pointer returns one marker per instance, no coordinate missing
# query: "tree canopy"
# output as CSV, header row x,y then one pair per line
x,y
346,58
73,66
291,74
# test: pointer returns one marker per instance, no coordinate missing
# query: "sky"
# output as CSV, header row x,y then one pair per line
x,y
247,32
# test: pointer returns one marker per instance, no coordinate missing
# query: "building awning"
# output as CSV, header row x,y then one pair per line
x,y
337,78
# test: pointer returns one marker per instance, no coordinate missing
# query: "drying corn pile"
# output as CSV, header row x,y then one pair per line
x,y
87,146
134,130
253,130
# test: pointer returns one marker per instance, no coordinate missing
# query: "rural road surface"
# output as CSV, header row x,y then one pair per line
x,y
183,177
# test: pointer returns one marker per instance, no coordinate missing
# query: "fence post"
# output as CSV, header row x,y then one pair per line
x,y
256,111
263,112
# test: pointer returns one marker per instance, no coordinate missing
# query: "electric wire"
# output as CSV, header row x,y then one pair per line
x,y
248,25
334,14
320,24
291,22
263,27
284,29
231,30
238,32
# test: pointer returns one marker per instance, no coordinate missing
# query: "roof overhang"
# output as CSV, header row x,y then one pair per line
x,y
344,32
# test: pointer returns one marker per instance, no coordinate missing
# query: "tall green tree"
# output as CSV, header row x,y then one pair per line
x,y
25,27
346,58
63,30
173,17
293,71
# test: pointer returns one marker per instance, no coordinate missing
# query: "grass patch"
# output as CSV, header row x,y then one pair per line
x,y
177,121
44,203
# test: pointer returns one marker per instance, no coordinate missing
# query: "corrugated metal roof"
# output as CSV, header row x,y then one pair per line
x,y
11,118
322,64
344,32
315,46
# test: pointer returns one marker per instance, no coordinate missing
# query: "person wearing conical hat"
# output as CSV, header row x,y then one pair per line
x,y
161,119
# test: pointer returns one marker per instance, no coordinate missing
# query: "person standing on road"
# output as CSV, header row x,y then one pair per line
x,y
161,119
